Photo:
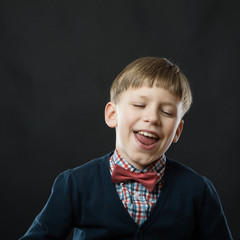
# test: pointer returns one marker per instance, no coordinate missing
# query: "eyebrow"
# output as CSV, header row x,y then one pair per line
x,y
162,103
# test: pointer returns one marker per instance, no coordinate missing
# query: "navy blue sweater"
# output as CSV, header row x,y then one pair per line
x,y
85,199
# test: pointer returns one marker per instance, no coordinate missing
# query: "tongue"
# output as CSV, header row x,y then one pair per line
x,y
145,140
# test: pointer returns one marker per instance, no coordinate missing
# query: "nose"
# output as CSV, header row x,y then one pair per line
x,y
152,116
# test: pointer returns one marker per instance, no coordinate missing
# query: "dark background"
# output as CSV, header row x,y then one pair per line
x,y
58,59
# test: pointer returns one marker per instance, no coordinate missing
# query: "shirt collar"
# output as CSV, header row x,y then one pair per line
x,y
157,166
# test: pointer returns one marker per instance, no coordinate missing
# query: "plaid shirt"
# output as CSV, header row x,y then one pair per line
x,y
135,197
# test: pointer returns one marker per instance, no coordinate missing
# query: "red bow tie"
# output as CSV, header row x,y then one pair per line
x,y
148,179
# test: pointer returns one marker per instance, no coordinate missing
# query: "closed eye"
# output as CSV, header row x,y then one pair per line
x,y
169,114
139,105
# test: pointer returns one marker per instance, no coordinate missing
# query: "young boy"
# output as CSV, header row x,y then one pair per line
x,y
136,192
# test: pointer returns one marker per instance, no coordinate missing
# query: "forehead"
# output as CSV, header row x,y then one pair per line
x,y
150,93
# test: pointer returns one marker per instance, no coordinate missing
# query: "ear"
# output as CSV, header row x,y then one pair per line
x,y
111,115
178,131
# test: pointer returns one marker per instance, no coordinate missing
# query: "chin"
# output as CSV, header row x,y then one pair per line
x,y
143,160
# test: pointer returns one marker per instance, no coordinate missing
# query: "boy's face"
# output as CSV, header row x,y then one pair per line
x,y
147,120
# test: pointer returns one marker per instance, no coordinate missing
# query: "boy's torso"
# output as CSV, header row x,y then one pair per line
x,y
85,198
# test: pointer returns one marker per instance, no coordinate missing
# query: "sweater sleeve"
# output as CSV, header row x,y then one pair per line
x,y
212,224
55,220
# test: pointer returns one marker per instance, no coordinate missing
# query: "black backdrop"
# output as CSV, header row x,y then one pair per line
x,y
58,59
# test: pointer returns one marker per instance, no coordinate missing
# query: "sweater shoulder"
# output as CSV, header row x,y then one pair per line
x,y
80,178
185,174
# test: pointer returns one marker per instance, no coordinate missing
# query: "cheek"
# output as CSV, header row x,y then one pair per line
x,y
170,128
125,121
122,126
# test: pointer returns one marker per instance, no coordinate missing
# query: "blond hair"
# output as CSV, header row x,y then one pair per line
x,y
153,71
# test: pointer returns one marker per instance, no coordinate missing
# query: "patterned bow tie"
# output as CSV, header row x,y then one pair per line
x,y
148,179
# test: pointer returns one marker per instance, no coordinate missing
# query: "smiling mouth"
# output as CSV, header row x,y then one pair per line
x,y
147,134
146,138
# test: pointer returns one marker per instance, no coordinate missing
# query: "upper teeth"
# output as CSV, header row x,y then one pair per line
x,y
148,134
